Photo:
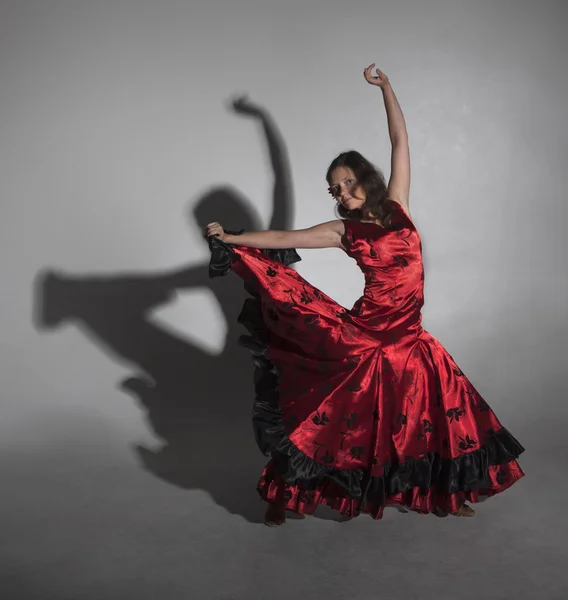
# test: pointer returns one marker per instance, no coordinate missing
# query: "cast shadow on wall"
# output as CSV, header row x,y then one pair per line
x,y
199,405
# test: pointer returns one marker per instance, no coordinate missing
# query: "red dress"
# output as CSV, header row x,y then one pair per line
x,y
363,408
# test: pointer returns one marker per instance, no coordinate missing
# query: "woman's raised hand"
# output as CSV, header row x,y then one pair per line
x,y
215,230
380,79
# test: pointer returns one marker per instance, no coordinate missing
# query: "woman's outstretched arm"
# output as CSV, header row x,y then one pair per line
x,y
399,182
324,235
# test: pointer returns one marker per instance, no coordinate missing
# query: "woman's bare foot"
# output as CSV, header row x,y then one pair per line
x,y
275,515
464,511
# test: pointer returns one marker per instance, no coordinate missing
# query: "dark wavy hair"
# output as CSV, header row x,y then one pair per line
x,y
371,179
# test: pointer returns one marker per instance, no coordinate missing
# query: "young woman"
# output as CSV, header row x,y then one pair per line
x,y
360,409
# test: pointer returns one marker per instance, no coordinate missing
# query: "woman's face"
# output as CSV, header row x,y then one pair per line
x,y
344,187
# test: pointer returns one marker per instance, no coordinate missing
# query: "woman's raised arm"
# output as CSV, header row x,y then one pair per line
x,y
399,182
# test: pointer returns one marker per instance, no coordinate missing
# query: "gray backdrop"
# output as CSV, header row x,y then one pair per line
x,y
127,458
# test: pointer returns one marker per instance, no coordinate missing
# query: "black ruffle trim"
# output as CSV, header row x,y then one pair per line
x,y
465,473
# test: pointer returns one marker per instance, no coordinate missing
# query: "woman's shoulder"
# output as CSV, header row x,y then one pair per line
x,y
337,226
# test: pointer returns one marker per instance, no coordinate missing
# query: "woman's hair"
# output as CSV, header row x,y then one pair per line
x,y
377,205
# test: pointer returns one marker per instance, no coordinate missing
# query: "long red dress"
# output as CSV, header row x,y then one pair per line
x,y
363,408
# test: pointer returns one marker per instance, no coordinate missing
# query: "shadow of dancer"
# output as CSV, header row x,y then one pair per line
x,y
198,404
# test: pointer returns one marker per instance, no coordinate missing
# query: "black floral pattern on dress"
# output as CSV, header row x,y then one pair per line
x,y
455,414
305,298
427,427
351,420
467,443
400,261
271,272
327,458
344,436
292,301
322,419
357,452
403,234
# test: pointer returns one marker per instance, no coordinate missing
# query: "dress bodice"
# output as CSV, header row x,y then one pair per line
x,y
391,261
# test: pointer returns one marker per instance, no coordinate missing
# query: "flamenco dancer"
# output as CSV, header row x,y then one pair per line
x,y
360,409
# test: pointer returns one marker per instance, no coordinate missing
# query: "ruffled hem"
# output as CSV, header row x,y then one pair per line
x,y
304,500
